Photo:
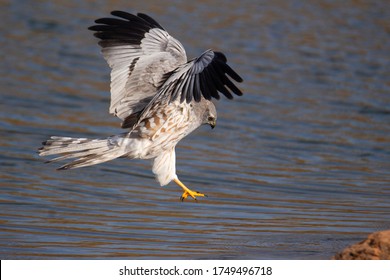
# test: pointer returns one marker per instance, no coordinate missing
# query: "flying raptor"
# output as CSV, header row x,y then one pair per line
x,y
159,96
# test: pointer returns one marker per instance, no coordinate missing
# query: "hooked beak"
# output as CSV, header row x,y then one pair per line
x,y
213,124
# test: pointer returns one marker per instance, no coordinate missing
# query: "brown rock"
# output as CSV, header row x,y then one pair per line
x,y
375,247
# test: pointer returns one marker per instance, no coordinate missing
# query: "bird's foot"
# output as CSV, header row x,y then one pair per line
x,y
187,191
193,194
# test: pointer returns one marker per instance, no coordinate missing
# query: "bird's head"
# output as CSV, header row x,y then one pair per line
x,y
210,115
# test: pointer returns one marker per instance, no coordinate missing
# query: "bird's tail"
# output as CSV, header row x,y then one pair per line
x,y
86,151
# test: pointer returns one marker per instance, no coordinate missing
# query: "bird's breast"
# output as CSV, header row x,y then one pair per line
x,y
164,127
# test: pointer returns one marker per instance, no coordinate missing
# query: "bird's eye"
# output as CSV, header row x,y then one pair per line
x,y
210,119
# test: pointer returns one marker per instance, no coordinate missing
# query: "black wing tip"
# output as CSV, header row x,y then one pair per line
x,y
223,70
221,56
123,28
209,77
140,17
118,13
235,76
122,14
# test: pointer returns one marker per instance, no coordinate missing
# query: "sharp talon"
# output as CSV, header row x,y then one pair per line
x,y
187,191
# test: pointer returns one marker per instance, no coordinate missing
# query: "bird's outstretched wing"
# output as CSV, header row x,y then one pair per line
x,y
203,77
140,53
149,67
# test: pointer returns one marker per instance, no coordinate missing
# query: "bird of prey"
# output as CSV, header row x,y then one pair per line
x,y
159,96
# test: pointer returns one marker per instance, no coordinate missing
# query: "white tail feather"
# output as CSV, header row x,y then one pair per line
x,y
86,151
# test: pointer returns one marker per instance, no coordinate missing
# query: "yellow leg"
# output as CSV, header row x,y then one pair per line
x,y
187,191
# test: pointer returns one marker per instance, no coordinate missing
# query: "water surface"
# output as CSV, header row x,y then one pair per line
x,y
297,168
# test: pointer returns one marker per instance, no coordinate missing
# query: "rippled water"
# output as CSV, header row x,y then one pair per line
x,y
297,168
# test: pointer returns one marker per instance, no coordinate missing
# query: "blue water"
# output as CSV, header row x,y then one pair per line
x,y
297,168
